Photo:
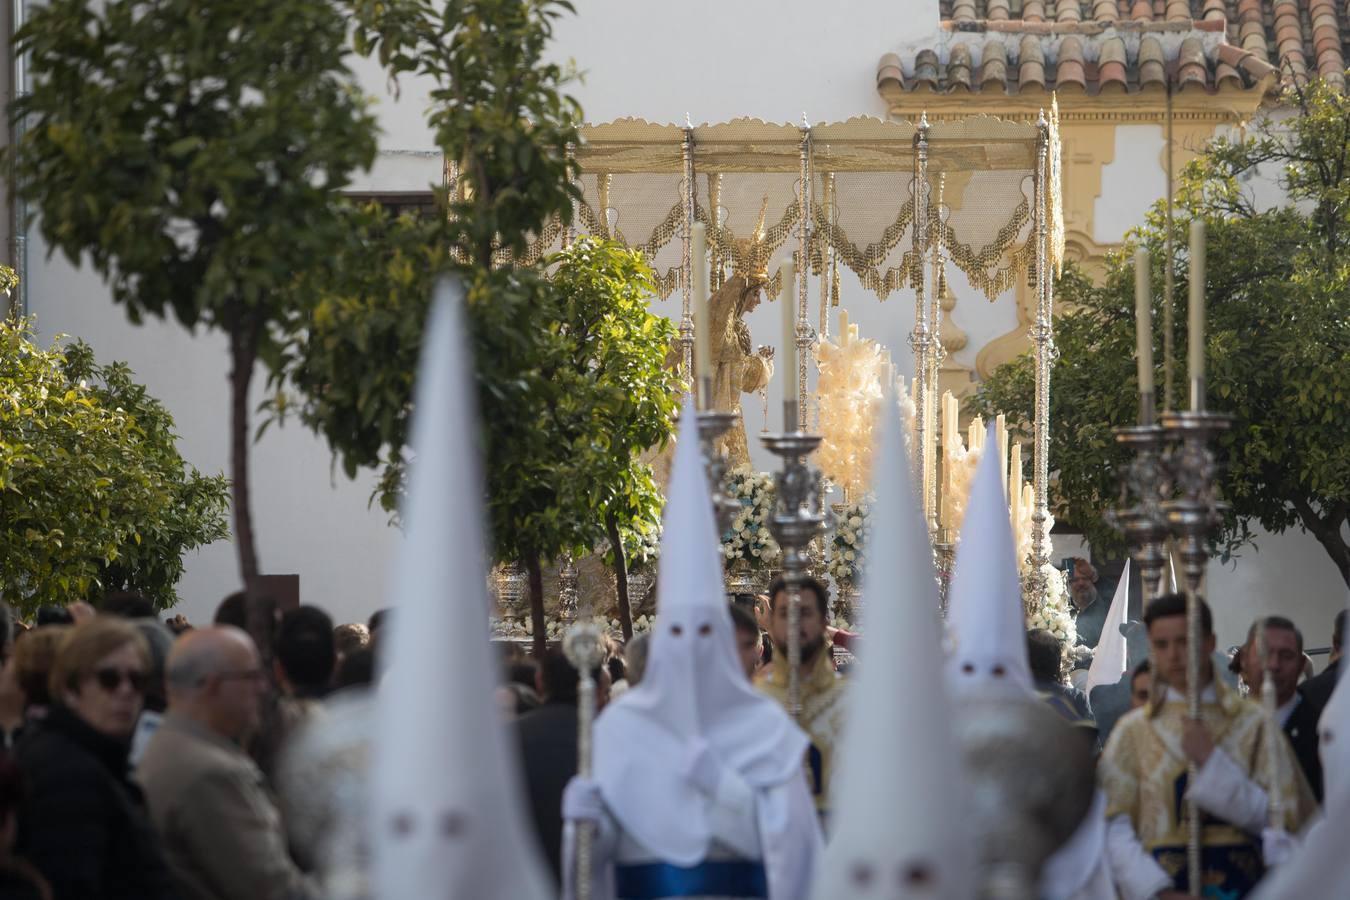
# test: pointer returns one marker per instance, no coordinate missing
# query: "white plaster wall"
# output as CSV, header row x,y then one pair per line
x,y
307,522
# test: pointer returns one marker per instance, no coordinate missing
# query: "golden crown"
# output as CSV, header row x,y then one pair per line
x,y
750,256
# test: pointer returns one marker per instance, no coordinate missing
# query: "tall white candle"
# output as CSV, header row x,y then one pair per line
x,y
1143,321
1015,478
1001,433
698,262
843,327
1196,325
787,299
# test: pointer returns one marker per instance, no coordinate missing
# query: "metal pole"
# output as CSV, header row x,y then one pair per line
x,y
1168,275
584,648
686,268
804,336
919,339
1043,350
935,353
19,198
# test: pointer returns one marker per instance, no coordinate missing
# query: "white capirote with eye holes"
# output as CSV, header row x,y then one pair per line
x,y
984,611
693,692
898,828
448,810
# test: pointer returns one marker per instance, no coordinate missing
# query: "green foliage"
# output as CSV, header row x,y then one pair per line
x,y
94,495
191,150
614,396
1277,334
497,109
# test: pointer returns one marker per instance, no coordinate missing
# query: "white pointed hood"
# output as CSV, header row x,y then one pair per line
x,y
693,688
1108,660
1333,741
984,610
897,829
448,809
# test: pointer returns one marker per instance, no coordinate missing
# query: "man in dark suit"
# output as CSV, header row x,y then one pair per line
x,y
548,743
1317,690
1296,713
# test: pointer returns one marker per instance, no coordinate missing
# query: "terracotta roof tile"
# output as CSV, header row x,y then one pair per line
x,y
1152,63
1214,9
963,11
1178,11
1112,71
1227,76
1031,71
1105,11
1068,11
1262,44
926,69
1192,67
1071,71
959,68
993,65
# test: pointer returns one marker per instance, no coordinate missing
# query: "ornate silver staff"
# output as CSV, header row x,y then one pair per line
x,y
798,517
1194,512
583,645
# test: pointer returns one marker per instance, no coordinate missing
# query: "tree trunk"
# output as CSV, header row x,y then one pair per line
x,y
540,626
243,357
1328,530
620,576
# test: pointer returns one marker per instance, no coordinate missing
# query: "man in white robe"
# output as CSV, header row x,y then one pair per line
x,y
698,788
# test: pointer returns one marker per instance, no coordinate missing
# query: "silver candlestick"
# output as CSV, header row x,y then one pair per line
x,y
1141,517
712,424
1191,516
796,520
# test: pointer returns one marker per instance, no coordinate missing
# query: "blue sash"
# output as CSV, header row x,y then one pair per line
x,y
727,878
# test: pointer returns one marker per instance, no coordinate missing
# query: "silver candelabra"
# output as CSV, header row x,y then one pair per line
x,y
796,520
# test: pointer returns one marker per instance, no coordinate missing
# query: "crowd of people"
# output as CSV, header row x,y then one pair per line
x,y
142,755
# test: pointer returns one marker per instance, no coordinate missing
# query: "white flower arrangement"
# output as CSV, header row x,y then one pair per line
x,y
555,629
846,555
640,624
749,538
1053,615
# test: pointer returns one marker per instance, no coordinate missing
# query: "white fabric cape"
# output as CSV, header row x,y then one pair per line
x,y
693,689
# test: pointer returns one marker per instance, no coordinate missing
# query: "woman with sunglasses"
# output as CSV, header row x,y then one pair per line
x,y
83,824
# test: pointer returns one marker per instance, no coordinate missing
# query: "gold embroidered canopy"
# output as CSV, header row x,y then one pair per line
x,y
643,182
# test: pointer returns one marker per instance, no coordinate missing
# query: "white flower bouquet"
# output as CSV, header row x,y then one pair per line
x,y
846,554
640,624
749,538
1054,615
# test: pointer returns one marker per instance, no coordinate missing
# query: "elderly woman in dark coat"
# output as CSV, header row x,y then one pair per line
x,y
83,823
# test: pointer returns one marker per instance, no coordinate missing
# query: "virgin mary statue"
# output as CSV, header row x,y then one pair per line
x,y
737,367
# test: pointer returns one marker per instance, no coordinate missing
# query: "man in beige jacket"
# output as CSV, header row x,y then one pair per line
x,y
221,831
